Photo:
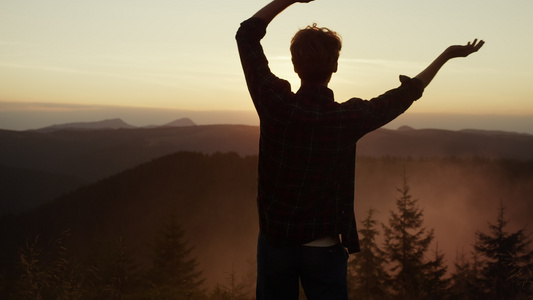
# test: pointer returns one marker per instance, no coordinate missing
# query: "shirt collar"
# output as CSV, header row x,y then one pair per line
x,y
316,93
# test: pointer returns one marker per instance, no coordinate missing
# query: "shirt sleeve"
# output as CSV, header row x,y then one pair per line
x,y
376,112
262,84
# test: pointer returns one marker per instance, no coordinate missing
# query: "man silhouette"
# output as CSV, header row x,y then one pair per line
x,y
307,150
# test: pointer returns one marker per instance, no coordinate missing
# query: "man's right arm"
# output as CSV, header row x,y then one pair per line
x,y
250,34
255,65
253,60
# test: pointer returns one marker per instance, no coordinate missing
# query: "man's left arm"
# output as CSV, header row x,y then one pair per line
x,y
385,108
451,52
369,115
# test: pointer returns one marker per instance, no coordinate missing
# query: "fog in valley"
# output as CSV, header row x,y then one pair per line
x,y
458,197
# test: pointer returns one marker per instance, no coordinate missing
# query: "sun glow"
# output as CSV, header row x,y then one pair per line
x,y
183,55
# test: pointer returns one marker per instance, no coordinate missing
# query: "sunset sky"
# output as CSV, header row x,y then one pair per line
x,y
182,54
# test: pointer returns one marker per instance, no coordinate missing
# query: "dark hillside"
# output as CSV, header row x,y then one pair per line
x,y
91,155
22,189
94,155
213,197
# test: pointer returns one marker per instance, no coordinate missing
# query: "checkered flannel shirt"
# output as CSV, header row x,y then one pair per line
x,y
307,148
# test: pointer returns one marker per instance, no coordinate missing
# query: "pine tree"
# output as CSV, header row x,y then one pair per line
x,y
34,278
115,276
174,274
406,242
48,271
219,293
366,271
465,280
234,289
507,268
436,285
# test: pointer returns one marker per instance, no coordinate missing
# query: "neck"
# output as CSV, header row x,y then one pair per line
x,y
324,84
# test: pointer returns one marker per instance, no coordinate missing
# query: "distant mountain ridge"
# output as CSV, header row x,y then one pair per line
x,y
104,124
115,123
79,157
416,143
180,122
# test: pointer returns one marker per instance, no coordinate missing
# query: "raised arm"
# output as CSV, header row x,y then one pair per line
x,y
271,10
451,52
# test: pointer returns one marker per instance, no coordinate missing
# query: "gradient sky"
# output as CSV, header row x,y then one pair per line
x,y
182,54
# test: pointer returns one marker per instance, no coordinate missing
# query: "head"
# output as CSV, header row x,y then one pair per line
x,y
315,53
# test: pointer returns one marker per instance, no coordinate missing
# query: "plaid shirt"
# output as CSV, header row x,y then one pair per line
x,y
307,147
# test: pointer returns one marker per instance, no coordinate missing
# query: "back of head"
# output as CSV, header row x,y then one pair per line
x,y
315,52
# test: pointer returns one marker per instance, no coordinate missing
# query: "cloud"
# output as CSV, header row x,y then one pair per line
x,y
44,107
154,77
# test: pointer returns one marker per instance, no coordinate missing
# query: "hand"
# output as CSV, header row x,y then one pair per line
x,y
464,51
271,10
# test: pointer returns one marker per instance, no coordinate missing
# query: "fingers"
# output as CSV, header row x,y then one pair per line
x,y
479,45
476,44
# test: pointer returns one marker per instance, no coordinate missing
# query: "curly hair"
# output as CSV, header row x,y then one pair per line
x,y
315,52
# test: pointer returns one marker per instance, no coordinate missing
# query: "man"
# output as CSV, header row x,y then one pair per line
x,y
307,153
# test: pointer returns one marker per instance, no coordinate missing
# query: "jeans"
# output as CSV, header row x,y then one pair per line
x,y
321,270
